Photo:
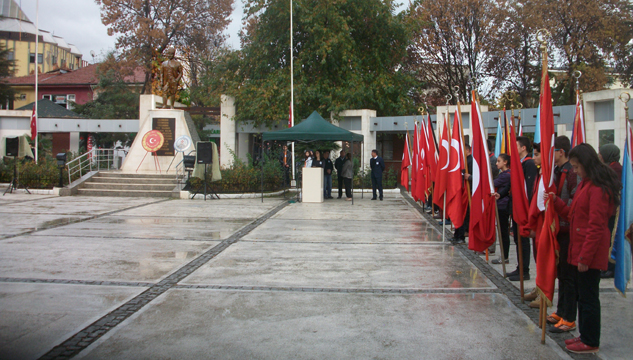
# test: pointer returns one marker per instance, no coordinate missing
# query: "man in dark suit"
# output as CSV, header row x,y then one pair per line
x,y
377,166
285,160
338,165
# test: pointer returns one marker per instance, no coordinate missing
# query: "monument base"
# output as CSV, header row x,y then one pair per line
x,y
172,124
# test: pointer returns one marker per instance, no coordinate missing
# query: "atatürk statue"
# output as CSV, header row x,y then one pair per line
x,y
170,75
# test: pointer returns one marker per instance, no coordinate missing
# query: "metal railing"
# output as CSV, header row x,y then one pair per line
x,y
96,159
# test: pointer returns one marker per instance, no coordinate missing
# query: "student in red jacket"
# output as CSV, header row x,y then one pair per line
x,y
595,201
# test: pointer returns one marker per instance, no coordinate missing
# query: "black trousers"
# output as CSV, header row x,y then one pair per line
x,y
461,231
348,187
588,289
286,176
525,247
504,225
376,183
340,186
567,306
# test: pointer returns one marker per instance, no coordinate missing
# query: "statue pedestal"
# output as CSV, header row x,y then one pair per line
x,y
172,124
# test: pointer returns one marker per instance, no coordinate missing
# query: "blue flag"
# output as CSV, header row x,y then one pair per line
x,y
499,139
624,228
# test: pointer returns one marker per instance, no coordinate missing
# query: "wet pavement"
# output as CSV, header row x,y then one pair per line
x,y
123,278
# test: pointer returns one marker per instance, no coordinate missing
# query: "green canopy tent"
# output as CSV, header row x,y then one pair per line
x,y
314,128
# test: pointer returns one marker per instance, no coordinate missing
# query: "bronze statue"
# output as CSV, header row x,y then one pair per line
x,y
170,75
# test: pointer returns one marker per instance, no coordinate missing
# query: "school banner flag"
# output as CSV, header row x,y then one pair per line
x,y
624,227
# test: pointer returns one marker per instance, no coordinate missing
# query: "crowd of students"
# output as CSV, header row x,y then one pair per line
x,y
587,193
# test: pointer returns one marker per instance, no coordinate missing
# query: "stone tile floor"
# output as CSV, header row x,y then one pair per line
x,y
123,278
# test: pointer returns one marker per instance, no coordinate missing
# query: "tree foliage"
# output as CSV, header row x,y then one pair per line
x,y
6,70
493,42
146,28
347,55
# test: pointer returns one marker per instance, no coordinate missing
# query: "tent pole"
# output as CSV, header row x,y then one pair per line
x,y
352,151
362,161
262,166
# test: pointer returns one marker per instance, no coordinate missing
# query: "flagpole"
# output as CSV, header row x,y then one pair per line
x,y
292,93
37,36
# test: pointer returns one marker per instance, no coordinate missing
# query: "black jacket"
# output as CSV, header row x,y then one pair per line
x,y
377,166
338,164
530,171
328,165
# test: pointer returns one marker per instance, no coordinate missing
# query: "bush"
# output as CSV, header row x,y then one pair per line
x,y
245,176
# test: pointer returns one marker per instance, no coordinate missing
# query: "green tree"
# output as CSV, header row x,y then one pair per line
x,y
6,70
347,55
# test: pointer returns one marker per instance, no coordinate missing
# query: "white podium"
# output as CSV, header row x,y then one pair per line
x,y
312,185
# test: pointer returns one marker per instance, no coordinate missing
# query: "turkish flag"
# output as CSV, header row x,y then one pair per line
x,y
422,184
482,209
415,161
406,162
547,255
456,192
441,172
33,124
432,151
520,204
578,134
547,244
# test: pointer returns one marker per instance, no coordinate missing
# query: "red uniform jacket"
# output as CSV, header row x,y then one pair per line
x,y
589,233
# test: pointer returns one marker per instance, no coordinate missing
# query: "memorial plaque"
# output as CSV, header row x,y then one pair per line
x,y
167,126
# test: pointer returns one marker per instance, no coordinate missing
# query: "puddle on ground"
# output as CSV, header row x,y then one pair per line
x,y
57,222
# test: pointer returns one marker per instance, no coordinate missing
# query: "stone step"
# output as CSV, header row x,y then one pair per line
x,y
126,193
128,186
117,174
131,180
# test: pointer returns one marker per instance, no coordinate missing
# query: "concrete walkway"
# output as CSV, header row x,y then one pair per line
x,y
130,278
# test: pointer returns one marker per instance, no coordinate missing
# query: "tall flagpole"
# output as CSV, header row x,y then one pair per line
x,y
292,93
37,52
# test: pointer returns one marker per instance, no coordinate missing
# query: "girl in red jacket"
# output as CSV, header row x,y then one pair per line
x,y
596,198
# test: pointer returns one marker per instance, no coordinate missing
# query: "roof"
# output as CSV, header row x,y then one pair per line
x,y
314,128
83,76
61,42
74,50
48,109
10,9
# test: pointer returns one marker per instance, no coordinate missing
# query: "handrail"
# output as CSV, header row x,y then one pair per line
x,y
94,159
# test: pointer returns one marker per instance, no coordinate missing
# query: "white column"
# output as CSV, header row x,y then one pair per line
x,y
74,141
227,130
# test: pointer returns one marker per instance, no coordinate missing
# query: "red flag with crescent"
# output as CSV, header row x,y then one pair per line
x,y
441,172
456,192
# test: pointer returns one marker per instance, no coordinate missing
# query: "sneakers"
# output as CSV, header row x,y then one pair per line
x,y
563,326
581,348
531,296
498,261
526,276
554,318
572,341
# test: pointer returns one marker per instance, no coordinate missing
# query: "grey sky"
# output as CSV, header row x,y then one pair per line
x,y
79,23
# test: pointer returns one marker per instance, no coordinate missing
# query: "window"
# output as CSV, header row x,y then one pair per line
x,y
10,56
606,137
54,59
352,123
40,58
70,101
604,110
32,58
47,97
22,97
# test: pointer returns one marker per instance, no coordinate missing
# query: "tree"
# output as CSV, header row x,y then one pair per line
x,y
6,70
146,28
515,56
452,40
347,55
587,35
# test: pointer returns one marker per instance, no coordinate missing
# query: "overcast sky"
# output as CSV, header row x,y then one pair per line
x,y
79,23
